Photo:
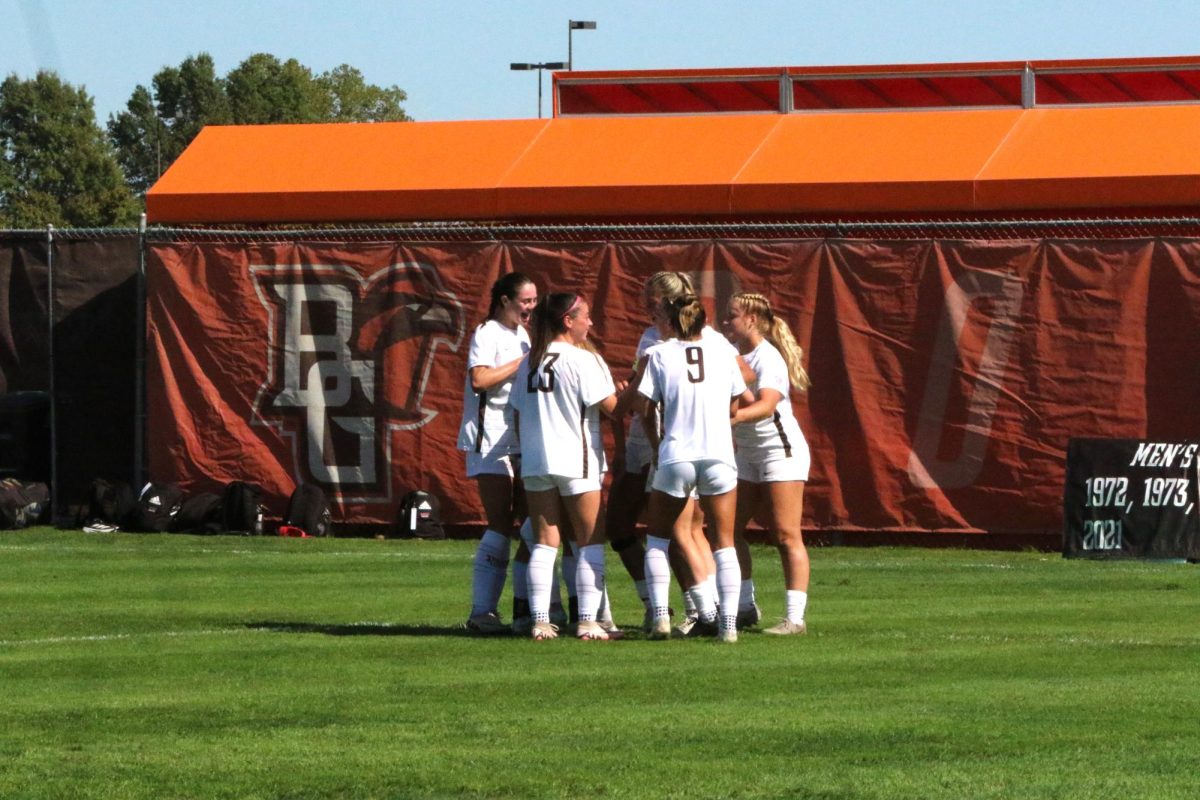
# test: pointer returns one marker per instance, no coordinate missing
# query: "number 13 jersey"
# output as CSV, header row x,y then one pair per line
x,y
559,419
693,381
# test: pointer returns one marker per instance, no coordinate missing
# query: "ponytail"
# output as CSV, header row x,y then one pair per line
x,y
686,315
777,332
548,322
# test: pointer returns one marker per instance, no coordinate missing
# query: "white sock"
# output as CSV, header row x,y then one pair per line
x,y
706,610
797,603
729,585
541,566
589,581
643,592
689,605
658,575
605,612
747,599
488,572
710,587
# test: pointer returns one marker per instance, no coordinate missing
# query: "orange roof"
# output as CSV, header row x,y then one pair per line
x,y
830,163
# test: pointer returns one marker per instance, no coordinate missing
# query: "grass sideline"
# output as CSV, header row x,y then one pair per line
x,y
143,666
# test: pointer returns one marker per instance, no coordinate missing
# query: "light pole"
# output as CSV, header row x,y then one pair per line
x,y
539,67
577,25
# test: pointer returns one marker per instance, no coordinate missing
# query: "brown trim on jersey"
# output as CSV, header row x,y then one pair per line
x,y
479,420
787,446
583,430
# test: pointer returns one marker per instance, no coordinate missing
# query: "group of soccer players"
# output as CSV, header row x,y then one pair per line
x,y
535,391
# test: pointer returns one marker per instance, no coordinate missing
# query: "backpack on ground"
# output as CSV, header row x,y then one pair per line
x,y
157,506
22,504
420,517
308,511
242,509
201,513
109,506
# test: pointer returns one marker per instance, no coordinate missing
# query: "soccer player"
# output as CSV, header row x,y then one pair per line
x,y
488,436
560,389
772,454
697,382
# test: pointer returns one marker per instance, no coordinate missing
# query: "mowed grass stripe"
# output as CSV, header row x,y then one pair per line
x,y
240,667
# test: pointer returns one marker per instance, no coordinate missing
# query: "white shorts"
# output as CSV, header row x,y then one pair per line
x,y
650,480
779,468
567,487
708,477
494,463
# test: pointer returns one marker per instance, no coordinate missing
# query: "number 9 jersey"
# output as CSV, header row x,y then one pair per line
x,y
559,421
694,382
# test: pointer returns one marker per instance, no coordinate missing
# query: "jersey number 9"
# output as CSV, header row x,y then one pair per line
x,y
695,359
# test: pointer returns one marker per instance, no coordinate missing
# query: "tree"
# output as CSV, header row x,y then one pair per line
x,y
158,124
58,166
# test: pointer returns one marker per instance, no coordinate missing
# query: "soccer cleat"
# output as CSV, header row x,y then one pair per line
x,y
589,630
611,629
522,626
786,628
749,617
543,630
487,624
686,626
660,628
727,635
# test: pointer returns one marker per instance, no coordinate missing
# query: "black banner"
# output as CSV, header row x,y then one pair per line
x,y
1131,498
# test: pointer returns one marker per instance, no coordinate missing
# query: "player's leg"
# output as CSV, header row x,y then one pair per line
x,y
490,565
748,499
718,496
784,507
544,513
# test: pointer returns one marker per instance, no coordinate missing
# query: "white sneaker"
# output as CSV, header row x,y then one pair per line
x,y
727,635
660,628
787,628
611,629
543,630
684,628
487,624
589,630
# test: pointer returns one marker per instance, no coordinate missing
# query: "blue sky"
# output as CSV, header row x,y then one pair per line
x,y
452,57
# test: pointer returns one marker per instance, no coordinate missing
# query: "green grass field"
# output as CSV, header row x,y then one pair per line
x,y
180,667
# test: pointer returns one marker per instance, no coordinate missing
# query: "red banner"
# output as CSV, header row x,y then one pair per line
x,y
947,375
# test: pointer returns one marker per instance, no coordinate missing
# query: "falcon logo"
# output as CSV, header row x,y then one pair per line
x,y
348,362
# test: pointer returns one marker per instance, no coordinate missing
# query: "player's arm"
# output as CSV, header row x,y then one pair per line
x,y
484,378
748,376
762,407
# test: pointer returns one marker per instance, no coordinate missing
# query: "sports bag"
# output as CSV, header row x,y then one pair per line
x,y
157,506
201,513
109,504
241,505
308,511
420,517
22,504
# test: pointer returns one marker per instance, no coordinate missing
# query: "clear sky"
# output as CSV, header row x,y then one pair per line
x,y
452,57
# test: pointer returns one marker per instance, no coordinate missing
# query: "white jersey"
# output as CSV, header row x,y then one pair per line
x,y
777,435
694,383
487,421
559,412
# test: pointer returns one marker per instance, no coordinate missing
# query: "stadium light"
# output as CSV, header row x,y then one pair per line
x,y
544,65
577,25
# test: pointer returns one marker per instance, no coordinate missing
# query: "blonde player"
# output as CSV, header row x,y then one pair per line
x,y
696,381
559,392
488,436
772,454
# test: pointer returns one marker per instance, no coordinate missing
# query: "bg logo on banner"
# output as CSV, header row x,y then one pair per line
x,y
348,363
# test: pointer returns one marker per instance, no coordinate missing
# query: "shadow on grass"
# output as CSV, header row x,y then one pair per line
x,y
358,629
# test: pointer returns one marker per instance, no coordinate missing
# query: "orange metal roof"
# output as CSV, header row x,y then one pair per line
x,y
828,163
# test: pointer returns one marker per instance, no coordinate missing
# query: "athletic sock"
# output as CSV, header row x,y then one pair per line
x,y
541,566
729,584
797,603
488,572
589,581
747,598
710,588
643,592
605,612
658,576
706,610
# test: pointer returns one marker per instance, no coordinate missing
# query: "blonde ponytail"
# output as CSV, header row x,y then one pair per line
x,y
777,332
